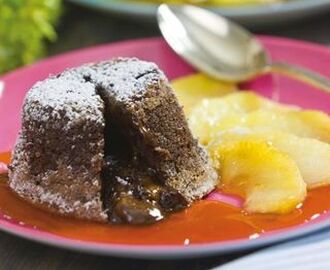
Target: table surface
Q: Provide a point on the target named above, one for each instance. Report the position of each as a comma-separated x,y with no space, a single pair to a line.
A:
82,28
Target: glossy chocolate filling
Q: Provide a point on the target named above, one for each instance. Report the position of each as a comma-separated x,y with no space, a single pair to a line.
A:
132,192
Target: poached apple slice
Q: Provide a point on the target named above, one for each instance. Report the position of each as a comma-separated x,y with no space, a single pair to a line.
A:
268,180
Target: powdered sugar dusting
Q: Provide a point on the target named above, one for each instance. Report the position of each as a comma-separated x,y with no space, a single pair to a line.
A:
131,78
126,78
58,97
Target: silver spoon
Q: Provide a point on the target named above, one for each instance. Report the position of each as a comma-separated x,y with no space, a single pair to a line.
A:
222,48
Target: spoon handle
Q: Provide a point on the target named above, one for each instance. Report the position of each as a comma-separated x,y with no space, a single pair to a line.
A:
301,74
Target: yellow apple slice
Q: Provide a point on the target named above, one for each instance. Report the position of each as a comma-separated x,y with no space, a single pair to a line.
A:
311,156
227,112
192,88
308,123
268,179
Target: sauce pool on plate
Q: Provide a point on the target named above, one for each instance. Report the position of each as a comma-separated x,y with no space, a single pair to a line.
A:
205,221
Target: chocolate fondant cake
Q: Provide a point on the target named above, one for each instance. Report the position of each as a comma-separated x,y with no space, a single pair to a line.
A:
108,141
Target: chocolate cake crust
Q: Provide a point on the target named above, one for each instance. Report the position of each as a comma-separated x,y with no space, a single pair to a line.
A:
58,156
74,122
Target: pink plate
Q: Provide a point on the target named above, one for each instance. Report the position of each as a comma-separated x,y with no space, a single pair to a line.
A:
16,84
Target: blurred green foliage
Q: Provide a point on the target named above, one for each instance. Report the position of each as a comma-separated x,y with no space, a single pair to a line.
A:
25,25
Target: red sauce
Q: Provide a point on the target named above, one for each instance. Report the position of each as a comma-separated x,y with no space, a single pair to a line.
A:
204,222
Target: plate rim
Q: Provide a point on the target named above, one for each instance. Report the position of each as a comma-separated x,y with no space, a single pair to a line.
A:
163,251
155,252
149,9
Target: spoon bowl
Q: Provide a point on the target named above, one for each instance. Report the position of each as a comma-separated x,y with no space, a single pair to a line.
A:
221,48
212,44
